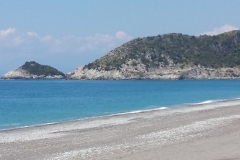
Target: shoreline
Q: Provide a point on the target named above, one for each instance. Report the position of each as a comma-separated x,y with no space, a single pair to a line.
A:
126,113
140,135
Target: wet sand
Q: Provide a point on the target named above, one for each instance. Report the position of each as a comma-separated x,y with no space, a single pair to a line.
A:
208,131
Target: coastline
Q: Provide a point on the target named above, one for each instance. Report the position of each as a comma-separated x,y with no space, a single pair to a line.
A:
138,135
124,113
140,95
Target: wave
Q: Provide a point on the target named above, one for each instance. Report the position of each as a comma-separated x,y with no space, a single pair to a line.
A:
148,109
144,110
209,101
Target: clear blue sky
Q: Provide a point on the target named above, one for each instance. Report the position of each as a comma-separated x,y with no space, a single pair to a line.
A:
67,34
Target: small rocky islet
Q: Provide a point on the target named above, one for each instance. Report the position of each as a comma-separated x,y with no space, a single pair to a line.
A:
34,70
168,56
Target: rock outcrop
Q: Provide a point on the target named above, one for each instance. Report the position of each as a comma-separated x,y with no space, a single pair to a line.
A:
165,73
21,73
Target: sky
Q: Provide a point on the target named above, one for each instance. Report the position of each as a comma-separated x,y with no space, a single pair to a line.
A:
67,34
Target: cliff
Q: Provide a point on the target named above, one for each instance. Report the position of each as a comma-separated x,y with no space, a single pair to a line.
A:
33,70
169,56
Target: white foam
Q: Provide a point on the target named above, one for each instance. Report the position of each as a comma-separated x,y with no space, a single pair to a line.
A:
209,101
134,112
151,108
57,130
205,102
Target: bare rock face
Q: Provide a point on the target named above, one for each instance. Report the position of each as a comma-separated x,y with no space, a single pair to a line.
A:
211,73
20,73
164,73
16,74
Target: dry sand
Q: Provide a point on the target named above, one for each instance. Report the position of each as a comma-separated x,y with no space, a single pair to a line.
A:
201,132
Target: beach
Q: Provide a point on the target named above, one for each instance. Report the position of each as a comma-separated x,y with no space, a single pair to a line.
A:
201,131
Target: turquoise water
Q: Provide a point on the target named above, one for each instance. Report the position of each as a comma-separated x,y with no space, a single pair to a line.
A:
26,102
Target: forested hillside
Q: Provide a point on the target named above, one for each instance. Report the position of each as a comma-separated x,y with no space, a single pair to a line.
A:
171,49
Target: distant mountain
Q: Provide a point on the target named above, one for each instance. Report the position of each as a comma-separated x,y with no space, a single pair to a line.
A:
169,56
34,70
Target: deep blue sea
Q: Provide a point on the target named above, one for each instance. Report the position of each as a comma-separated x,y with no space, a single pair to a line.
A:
34,102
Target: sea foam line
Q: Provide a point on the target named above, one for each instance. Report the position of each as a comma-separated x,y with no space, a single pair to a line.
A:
59,129
209,101
190,107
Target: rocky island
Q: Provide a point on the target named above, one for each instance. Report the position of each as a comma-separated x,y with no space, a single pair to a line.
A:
34,70
169,56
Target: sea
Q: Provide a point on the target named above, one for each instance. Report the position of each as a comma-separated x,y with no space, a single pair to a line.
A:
37,102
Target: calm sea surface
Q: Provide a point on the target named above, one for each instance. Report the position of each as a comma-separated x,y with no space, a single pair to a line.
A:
26,102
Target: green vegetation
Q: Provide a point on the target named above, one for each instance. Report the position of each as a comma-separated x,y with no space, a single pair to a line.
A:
209,51
35,68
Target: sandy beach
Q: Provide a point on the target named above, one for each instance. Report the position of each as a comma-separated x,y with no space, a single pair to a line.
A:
209,131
